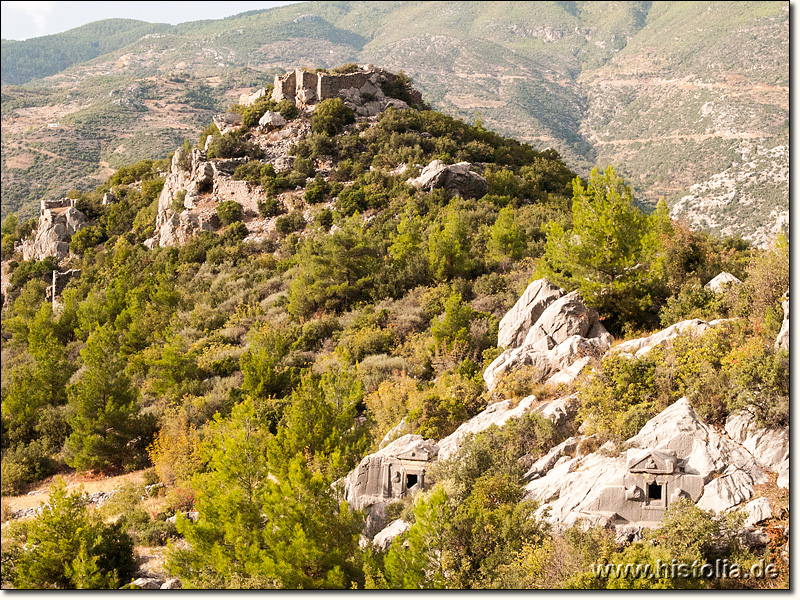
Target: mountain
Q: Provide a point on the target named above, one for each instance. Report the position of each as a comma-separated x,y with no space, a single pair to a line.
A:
689,100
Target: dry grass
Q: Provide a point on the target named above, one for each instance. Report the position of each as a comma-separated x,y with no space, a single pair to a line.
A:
74,481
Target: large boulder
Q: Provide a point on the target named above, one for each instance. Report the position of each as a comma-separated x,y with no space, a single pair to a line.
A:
457,178
722,282
516,323
563,336
271,120
383,539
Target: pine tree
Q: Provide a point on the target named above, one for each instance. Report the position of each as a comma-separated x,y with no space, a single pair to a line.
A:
107,431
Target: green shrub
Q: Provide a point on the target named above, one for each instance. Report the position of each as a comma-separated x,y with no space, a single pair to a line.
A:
209,130
345,68
233,145
287,224
316,190
87,237
229,212
67,547
178,201
330,116
270,207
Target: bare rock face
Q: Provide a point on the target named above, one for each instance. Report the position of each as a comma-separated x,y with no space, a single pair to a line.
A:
58,221
722,281
457,178
782,341
495,414
383,539
757,510
516,323
563,336
226,122
641,346
770,447
675,455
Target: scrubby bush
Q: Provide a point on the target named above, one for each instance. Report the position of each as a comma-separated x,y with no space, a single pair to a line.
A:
66,547
233,145
294,221
229,212
330,116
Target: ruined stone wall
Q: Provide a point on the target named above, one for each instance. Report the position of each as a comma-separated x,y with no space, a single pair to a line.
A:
306,92
58,203
329,86
285,87
238,191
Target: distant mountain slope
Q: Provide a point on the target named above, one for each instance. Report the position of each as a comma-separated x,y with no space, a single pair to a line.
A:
672,93
44,56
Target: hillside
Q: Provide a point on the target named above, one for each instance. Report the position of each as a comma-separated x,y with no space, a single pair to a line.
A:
639,85
345,341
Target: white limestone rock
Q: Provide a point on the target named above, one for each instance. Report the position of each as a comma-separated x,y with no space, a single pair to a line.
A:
723,493
722,281
271,120
516,323
383,539
494,414
641,346
564,333
757,510
457,178
769,446
782,341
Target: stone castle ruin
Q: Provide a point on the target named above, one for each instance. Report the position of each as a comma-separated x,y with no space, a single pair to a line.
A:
59,219
364,91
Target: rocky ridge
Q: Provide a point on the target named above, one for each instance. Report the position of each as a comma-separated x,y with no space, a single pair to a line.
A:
674,455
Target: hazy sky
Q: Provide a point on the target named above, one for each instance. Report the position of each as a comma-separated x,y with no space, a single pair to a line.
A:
22,20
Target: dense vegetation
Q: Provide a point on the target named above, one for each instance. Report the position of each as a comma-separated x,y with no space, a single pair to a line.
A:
251,376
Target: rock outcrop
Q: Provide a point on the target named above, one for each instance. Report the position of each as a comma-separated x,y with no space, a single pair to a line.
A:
782,341
674,455
383,539
58,221
563,336
722,282
516,323
494,414
770,447
226,122
271,120
641,346
458,179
